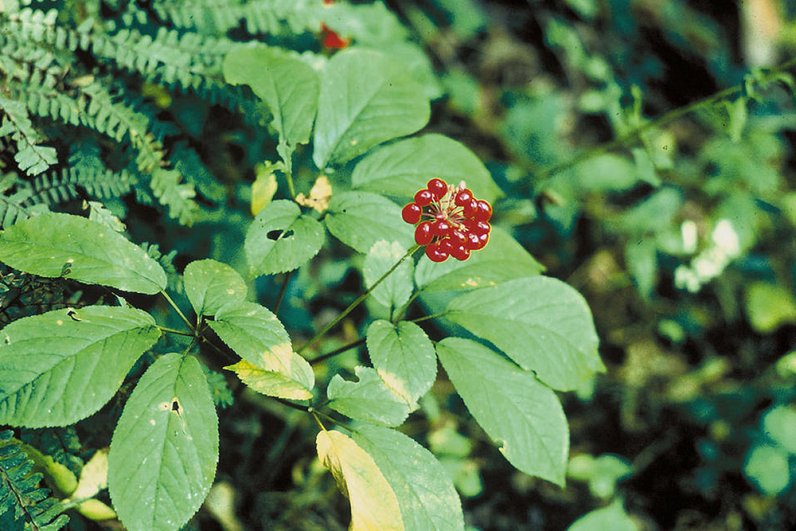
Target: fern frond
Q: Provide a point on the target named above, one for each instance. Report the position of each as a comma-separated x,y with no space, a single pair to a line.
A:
12,204
176,196
187,161
31,157
79,181
167,262
32,506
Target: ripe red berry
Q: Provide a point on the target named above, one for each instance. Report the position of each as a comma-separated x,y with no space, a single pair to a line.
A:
460,252
463,197
411,213
482,241
438,188
435,254
470,208
480,227
446,245
423,198
483,211
441,228
458,237
423,235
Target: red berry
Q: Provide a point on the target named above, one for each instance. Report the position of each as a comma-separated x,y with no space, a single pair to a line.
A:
473,242
483,211
463,197
482,241
441,228
435,254
460,252
411,213
423,233
458,237
470,208
423,198
480,227
438,188
446,245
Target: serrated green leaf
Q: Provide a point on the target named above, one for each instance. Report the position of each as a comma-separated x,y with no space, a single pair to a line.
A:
165,447
404,167
365,99
287,85
210,285
518,412
62,366
360,219
270,366
373,502
767,468
612,517
502,259
780,425
281,239
396,289
368,399
403,356
541,323
425,493
62,245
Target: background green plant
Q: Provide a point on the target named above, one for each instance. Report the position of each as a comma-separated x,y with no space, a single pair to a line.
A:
626,137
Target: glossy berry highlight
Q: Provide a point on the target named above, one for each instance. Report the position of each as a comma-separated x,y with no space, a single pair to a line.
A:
450,220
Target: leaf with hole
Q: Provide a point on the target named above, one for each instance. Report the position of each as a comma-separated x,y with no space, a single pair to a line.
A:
165,447
62,366
518,412
365,99
57,245
281,239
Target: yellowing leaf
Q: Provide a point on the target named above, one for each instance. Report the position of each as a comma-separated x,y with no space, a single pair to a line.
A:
281,372
94,478
263,190
320,194
373,502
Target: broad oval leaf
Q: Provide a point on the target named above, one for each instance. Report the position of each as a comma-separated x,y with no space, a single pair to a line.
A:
62,366
373,502
541,323
287,85
360,219
270,366
423,488
368,399
397,287
613,517
518,412
404,167
502,259
210,285
57,245
281,239
365,99
165,447
403,355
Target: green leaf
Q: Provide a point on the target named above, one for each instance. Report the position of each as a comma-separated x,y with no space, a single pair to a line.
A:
365,99
360,219
612,517
767,468
641,257
281,239
404,167
210,285
373,502
368,399
270,366
62,366
541,323
396,289
502,259
56,245
403,356
424,491
780,425
519,413
769,306
287,85
165,447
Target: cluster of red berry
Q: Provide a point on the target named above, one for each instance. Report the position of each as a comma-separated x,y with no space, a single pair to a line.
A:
452,221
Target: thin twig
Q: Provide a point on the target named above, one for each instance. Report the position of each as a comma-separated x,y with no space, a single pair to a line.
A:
337,351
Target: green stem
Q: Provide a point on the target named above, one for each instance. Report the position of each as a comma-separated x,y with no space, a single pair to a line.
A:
400,312
429,317
631,137
174,331
356,302
337,351
282,291
177,309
